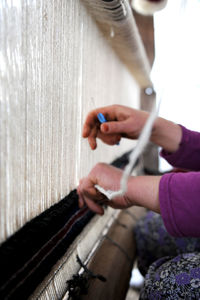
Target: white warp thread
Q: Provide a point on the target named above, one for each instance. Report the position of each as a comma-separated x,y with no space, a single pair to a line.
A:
137,151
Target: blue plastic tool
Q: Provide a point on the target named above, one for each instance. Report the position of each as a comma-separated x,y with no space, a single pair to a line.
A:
101,118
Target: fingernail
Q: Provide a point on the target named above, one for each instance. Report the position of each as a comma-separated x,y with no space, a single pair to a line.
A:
93,147
84,134
105,127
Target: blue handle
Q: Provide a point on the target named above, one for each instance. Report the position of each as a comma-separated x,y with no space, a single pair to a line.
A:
101,118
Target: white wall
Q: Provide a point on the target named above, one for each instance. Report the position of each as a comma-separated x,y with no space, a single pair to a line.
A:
176,71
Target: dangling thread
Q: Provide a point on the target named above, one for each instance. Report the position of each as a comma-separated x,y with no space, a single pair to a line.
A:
79,283
131,215
119,247
120,224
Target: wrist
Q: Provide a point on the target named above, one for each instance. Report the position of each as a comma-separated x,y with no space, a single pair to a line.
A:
166,134
143,191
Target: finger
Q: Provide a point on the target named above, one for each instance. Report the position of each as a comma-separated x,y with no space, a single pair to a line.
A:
86,189
86,130
92,138
92,197
80,198
95,195
79,192
80,182
79,186
94,206
81,201
110,139
92,119
114,127
90,122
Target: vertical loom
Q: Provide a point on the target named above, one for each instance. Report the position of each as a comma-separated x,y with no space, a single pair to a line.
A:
59,60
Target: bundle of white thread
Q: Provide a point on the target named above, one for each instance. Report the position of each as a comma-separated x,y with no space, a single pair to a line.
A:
148,7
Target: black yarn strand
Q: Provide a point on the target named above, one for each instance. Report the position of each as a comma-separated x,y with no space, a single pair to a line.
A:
79,284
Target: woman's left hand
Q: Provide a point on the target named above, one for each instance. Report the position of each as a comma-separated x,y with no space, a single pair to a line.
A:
108,177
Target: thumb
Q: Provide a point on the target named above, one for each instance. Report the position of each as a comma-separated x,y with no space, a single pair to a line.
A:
113,127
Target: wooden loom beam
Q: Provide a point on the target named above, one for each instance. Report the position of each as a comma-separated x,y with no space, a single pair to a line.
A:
146,30
112,262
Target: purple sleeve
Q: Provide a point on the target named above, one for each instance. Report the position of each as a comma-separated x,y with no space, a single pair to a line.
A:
179,195
188,154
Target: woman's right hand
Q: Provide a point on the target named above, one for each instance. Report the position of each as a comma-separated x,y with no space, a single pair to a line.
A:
121,122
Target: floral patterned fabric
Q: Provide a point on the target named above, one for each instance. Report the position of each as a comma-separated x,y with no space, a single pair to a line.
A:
171,266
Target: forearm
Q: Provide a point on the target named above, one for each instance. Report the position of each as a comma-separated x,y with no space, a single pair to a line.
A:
166,134
143,191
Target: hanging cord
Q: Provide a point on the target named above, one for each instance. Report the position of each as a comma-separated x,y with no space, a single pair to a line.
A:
79,283
131,215
137,151
119,247
121,224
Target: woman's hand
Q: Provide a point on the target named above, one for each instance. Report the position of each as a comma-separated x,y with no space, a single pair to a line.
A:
128,122
107,177
122,121
141,190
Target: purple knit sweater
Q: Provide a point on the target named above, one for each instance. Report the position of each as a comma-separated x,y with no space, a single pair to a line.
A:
179,193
